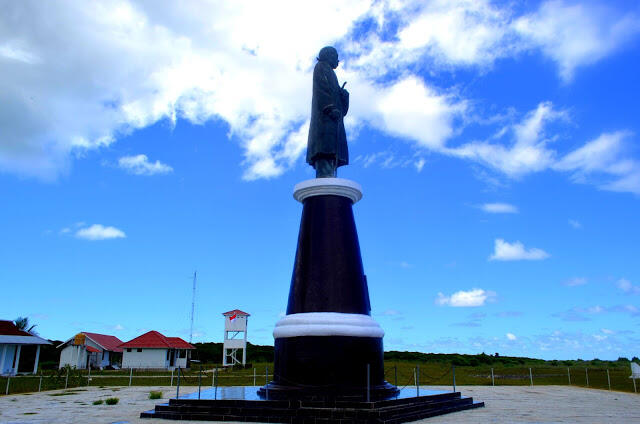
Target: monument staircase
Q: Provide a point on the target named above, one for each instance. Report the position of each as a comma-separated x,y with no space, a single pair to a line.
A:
327,411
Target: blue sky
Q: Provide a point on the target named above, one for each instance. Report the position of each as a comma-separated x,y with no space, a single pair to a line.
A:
496,144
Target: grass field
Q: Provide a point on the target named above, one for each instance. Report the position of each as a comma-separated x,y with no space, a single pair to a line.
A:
401,373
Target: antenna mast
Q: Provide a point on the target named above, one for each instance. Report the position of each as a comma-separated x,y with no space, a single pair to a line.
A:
193,305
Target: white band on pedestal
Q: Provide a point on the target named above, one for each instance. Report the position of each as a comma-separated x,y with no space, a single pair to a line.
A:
327,324
328,186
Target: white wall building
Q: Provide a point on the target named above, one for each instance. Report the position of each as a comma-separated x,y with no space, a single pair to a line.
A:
12,339
91,349
154,350
235,338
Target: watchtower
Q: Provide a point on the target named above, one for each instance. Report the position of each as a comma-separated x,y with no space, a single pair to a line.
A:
235,337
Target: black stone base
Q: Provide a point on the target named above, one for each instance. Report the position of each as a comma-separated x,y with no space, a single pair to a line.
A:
331,366
292,411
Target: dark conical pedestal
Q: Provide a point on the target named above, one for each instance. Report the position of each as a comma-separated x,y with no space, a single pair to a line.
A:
328,350
328,346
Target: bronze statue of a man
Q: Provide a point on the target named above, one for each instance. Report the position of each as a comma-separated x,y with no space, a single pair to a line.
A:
327,143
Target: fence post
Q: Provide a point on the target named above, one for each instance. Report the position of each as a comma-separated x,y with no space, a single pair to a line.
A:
453,367
368,383
130,376
634,385
266,382
40,384
493,382
6,392
531,377
569,375
171,383
89,376
586,373
254,376
418,380
608,379
66,380
395,373
215,379
199,380
178,385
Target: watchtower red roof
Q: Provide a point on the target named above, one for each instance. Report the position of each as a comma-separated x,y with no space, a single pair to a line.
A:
154,339
236,312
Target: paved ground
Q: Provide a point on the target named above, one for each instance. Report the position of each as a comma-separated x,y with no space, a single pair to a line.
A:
514,404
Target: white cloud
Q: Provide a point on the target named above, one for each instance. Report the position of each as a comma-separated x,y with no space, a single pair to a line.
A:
99,232
576,34
528,151
511,336
140,165
576,281
607,157
499,208
79,76
575,224
473,297
505,251
627,287
607,331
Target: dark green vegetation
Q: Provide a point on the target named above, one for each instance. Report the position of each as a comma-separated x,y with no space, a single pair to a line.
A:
97,402
112,401
435,369
155,395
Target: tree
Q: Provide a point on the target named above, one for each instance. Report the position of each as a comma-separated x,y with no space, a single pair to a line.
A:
23,324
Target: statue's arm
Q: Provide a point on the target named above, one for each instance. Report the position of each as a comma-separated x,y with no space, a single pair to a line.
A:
345,101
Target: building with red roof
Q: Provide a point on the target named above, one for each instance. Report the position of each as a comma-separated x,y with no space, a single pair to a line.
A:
91,350
12,339
155,350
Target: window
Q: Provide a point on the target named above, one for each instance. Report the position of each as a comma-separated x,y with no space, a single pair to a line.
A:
128,349
103,354
139,350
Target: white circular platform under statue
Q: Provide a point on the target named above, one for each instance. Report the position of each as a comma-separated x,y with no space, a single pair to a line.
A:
327,324
328,186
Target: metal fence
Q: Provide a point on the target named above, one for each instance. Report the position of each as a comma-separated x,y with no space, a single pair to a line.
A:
403,375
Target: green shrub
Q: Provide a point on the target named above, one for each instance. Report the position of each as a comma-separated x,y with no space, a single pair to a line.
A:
111,401
98,402
155,395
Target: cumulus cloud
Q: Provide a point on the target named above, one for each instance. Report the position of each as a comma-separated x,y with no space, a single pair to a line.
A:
99,232
499,208
526,152
79,76
140,165
627,287
505,251
575,35
511,336
473,297
606,161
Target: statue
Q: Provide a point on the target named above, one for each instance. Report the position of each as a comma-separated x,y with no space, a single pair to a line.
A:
327,142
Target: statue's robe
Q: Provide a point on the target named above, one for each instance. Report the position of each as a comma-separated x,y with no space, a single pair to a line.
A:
327,138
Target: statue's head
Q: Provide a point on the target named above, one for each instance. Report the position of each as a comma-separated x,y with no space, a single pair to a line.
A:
329,55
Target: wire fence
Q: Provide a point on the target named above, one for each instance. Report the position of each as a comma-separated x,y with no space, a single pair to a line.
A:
403,375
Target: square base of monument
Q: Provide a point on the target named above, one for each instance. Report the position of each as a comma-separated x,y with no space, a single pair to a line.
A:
229,406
